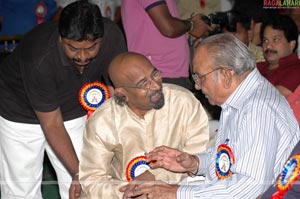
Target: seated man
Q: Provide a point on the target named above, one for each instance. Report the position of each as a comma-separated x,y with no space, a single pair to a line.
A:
256,135
143,114
279,41
287,186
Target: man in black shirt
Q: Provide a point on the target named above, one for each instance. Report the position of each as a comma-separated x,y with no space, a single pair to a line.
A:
39,86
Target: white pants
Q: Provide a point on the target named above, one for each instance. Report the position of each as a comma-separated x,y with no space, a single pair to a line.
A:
22,149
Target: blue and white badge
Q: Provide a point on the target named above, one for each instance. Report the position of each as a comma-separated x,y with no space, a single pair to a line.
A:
136,167
224,161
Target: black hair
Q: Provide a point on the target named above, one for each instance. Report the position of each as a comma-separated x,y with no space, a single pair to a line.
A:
80,21
283,23
228,20
238,17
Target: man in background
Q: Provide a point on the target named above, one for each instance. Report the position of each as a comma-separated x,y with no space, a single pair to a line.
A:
239,25
279,36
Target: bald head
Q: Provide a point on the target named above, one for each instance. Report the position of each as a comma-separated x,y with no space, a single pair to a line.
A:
137,83
126,66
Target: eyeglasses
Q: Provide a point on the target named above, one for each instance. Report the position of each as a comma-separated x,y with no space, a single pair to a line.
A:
146,84
199,79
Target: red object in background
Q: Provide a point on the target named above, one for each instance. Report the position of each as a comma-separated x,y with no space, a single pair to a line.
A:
202,4
41,11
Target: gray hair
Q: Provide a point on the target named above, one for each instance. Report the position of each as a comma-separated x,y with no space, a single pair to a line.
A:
120,99
227,50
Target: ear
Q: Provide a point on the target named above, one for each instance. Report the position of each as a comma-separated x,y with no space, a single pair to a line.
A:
226,77
292,44
121,92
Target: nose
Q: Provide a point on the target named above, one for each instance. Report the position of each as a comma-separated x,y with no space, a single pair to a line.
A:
267,45
155,85
83,55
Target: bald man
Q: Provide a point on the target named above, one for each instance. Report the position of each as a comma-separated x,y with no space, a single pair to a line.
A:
143,114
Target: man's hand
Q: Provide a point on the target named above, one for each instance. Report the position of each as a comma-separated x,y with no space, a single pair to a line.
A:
200,29
157,190
75,188
144,177
172,159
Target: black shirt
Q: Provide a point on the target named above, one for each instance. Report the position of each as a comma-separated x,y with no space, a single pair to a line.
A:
38,75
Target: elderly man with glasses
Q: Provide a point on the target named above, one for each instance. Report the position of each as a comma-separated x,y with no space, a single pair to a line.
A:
256,135
143,114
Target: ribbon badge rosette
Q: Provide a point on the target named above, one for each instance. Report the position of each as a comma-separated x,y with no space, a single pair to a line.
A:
136,167
224,161
288,176
92,95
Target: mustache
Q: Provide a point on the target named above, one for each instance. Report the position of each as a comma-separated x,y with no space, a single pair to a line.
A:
270,51
152,93
79,60
159,103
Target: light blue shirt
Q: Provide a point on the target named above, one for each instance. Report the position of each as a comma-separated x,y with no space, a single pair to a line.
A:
262,131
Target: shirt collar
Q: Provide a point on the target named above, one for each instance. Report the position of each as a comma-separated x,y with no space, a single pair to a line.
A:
244,90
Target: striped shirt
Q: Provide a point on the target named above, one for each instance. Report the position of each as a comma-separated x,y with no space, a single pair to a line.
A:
261,131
